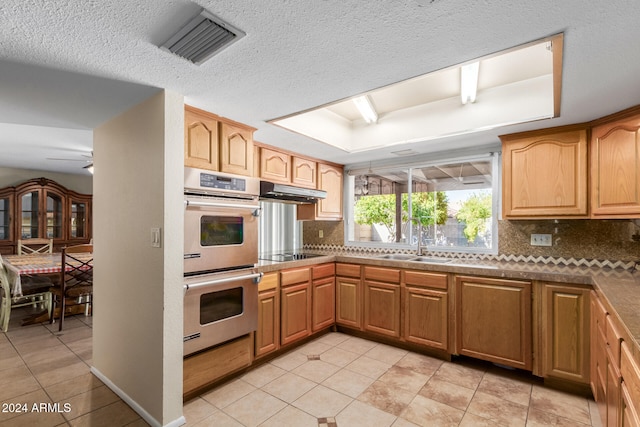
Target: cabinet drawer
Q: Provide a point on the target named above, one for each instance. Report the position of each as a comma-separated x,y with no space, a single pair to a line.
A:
631,376
296,275
269,281
387,275
613,340
429,280
347,270
324,270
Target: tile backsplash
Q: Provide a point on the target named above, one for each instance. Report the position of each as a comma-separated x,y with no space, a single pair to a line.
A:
580,239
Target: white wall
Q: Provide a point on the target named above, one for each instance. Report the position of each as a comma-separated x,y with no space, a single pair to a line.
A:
137,326
76,182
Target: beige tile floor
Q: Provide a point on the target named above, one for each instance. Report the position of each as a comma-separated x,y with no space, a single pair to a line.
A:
335,380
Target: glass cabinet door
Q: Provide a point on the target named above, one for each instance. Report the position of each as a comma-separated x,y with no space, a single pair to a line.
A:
54,216
5,218
29,224
79,214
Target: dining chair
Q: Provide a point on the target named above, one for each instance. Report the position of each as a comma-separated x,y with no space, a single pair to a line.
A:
76,281
35,246
31,292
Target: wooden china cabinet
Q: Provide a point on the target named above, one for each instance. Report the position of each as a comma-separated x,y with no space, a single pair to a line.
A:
42,208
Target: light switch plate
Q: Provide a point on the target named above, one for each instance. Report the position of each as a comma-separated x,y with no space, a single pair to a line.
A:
155,238
541,240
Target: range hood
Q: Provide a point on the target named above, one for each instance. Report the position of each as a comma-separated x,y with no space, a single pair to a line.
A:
289,193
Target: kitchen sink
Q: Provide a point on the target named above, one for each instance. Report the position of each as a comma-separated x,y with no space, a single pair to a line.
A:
397,257
431,260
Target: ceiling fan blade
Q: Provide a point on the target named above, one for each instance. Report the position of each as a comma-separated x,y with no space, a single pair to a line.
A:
70,160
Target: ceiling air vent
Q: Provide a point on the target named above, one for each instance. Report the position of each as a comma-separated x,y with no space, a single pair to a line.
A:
202,37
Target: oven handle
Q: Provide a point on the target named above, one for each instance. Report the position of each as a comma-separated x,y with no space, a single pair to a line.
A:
256,212
255,276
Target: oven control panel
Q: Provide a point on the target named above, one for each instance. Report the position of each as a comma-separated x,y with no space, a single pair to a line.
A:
208,180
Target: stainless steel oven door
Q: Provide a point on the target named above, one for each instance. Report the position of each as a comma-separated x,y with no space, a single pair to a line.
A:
219,307
220,233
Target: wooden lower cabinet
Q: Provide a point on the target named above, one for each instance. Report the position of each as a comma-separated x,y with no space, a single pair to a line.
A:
628,415
565,331
493,320
295,305
426,317
267,336
348,296
630,388
323,302
206,367
425,309
382,301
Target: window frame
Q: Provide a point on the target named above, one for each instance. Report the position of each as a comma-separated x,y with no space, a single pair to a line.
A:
496,192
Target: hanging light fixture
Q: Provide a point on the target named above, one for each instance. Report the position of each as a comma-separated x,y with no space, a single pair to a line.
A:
469,82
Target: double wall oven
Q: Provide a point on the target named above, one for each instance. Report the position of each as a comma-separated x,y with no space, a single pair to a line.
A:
220,257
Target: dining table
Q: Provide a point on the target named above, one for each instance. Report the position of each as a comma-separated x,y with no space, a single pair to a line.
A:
34,264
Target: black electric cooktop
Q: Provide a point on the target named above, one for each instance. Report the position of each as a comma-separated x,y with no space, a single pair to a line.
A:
287,256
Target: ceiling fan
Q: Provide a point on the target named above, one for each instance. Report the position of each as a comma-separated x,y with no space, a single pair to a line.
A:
88,158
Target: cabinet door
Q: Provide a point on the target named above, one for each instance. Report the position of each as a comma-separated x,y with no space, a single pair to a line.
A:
425,317
79,218
565,332
29,224
615,169
628,415
55,209
304,172
614,380
236,149
494,320
6,216
295,313
268,332
275,166
382,308
545,175
349,302
330,180
200,140
324,303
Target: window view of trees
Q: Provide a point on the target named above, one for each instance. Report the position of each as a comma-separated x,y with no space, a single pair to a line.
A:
452,203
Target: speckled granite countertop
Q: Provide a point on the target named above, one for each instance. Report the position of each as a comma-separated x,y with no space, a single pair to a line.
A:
621,288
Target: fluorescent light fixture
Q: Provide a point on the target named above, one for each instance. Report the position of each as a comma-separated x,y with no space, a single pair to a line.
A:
363,103
469,82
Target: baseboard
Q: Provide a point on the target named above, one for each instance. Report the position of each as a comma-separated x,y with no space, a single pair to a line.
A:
134,405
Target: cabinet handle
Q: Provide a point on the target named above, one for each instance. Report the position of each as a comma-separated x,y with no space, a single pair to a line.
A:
255,276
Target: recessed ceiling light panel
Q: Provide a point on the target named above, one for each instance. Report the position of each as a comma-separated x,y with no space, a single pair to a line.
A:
202,37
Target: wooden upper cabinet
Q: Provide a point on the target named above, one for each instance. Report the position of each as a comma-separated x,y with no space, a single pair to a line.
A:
545,173
304,172
329,209
200,140
275,166
615,168
218,144
236,149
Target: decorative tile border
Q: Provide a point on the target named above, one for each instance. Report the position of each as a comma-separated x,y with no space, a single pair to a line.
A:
559,261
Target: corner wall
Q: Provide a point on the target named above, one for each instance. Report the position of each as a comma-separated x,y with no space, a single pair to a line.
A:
137,326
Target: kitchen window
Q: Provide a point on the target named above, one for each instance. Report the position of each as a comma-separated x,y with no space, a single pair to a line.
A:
454,201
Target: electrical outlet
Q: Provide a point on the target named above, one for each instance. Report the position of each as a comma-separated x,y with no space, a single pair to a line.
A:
541,240
321,233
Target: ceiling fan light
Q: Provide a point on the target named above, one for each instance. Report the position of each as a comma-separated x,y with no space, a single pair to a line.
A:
363,103
89,167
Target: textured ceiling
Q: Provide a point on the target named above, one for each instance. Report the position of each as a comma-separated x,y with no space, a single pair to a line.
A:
296,55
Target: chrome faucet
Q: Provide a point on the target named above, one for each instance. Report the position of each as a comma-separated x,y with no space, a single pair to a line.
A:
420,249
